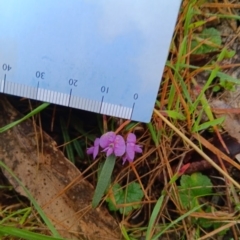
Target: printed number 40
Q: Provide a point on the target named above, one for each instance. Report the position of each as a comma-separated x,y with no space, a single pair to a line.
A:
6,67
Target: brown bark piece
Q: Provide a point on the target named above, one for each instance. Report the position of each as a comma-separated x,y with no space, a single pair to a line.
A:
44,170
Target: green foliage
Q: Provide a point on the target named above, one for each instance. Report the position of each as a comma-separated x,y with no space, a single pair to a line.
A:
190,190
218,225
153,217
7,231
192,187
49,224
67,139
207,41
175,222
207,223
131,194
155,133
224,81
103,180
223,84
29,115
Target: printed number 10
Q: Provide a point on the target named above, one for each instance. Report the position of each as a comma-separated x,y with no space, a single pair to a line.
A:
104,89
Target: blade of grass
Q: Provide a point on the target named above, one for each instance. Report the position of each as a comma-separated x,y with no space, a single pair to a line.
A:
15,213
208,124
212,76
124,232
228,78
67,139
196,148
25,215
25,234
175,115
153,217
153,133
32,113
34,202
176,221
178,76
78,148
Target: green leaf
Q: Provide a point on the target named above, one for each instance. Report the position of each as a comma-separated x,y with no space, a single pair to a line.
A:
192,187
175,115
134,192
118,194
216,88
227,77
207,41
103,181
205,223
217,225
230,54
198,184
131,194
208,124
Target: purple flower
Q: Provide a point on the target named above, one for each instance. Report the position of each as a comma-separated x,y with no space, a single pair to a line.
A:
131,148
95,149
112,144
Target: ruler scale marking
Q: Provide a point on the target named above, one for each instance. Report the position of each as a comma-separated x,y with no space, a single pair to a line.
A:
101,105
132,110
70,97
4,81
37,90
75,61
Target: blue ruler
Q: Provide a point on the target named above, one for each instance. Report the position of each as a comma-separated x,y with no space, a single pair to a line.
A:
105,56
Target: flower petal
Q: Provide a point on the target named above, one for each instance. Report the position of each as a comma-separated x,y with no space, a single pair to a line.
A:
95,151
106,139
138,148
130,150
96,142
119,146
109,151
124,158
90,150
131,138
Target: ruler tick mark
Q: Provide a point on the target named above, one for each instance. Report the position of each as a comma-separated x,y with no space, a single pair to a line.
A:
132,110
37,90
4,80
101,104
70,95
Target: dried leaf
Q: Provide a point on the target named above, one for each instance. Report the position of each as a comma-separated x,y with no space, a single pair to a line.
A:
55,183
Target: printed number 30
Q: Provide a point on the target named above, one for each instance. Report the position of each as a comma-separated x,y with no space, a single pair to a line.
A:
40,74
